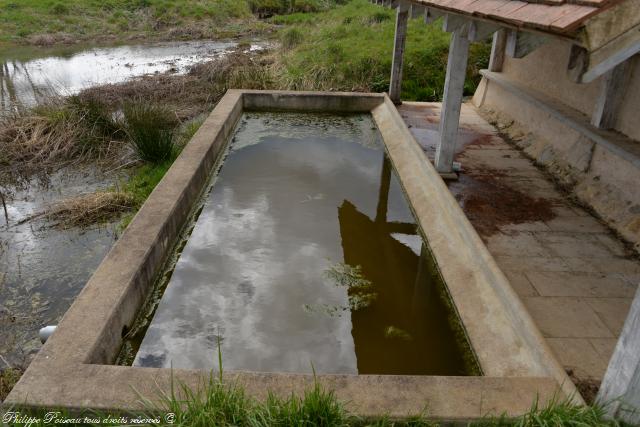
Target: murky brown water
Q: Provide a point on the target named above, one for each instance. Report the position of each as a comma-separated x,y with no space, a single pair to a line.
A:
306,255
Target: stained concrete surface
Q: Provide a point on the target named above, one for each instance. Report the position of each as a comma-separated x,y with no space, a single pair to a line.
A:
575,277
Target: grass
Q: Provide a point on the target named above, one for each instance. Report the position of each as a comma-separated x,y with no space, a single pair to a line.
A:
88,209
557,413
50,22
218,404
150,129
59,132
350,48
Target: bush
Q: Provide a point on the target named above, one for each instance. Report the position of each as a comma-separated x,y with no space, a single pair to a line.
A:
150,130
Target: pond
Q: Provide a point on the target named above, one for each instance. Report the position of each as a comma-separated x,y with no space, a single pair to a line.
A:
30,75
305,257
44,267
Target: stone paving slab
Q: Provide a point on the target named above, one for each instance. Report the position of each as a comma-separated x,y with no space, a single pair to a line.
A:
575,277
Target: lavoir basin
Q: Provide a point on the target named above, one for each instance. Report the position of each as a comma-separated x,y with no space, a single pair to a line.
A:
300,232
306,256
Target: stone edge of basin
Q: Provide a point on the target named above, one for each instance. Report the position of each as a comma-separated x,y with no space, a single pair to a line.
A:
72,369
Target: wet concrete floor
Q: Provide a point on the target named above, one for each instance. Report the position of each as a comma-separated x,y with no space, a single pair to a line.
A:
576,278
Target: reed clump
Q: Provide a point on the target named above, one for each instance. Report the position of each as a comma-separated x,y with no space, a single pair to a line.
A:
88,209
150,130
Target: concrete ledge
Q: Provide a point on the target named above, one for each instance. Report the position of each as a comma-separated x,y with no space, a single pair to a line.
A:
71,371
337,102
615,142
602,167
501,331
117,388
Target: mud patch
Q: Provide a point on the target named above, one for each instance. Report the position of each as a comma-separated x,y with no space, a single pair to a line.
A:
490,203
587,387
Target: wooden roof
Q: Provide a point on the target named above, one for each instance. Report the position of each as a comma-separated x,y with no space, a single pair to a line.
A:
555,16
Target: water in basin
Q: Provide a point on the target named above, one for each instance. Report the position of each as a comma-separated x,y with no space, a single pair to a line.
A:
306,256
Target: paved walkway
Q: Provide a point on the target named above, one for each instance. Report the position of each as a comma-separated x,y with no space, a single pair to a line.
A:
575,277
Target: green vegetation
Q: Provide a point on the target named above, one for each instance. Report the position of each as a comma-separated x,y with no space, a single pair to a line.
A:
350,48
555,414
218,404
150,129
272,7
50,21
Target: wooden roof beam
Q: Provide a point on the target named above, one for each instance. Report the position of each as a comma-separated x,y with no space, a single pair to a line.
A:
431,15
520,43
585,66
453,22
479,30
417,10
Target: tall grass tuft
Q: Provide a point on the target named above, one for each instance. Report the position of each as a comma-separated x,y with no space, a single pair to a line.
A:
317,407
292,38
219,404
150,129
556,413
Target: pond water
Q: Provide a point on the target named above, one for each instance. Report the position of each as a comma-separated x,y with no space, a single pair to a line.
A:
42,267
306,256
29,75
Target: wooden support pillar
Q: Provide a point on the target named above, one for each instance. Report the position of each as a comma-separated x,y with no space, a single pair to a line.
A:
612,92
620,389
452,100
497,50
395,86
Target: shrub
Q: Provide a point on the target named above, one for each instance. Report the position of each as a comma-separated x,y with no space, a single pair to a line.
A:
150,130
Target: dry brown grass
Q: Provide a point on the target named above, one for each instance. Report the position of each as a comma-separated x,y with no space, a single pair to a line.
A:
194,93
50,137
8,378
83,128
87,209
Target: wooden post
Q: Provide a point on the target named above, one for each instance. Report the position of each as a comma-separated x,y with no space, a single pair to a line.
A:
395,86
620,389
452,100
611,95
497,50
